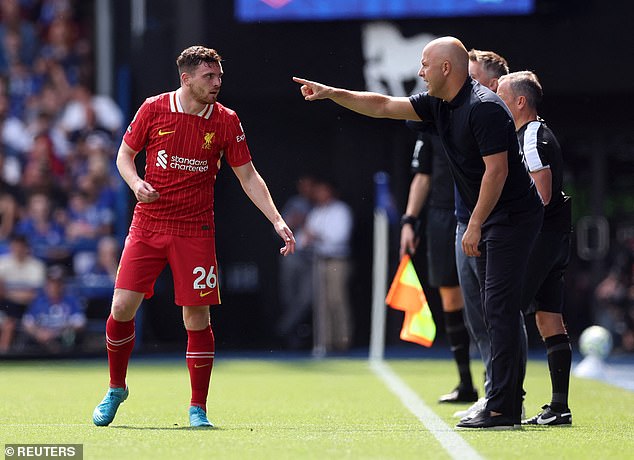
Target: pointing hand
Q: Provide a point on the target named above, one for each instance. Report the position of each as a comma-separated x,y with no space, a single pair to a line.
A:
312,90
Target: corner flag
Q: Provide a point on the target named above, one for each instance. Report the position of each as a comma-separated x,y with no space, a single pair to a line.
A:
406,294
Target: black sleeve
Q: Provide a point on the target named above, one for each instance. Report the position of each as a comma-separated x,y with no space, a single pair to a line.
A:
422,104
491,125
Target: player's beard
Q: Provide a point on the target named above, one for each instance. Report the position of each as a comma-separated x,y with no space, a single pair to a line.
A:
203,96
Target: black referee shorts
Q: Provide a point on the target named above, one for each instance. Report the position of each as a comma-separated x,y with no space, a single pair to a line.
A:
441,253
544,283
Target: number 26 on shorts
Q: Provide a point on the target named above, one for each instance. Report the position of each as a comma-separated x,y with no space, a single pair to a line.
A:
206,279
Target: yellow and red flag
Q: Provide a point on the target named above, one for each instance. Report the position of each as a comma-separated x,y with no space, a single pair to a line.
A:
406,294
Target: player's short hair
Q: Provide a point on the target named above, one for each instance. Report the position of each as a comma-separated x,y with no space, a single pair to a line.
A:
493,63
525,83
192,57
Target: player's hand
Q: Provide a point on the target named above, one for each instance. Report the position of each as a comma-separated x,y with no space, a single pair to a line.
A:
409,241
471,240
311,90
287,236
144,192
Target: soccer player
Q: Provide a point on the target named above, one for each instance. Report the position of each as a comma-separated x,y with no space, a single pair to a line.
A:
477,132
543,292
185,133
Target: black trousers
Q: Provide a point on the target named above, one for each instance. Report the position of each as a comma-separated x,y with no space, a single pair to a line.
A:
505,246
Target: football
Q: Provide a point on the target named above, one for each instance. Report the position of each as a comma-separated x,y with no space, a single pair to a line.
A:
595,341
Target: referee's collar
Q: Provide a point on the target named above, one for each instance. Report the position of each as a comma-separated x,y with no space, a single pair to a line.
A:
539,120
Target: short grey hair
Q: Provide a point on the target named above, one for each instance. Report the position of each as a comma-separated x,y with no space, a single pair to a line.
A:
525,83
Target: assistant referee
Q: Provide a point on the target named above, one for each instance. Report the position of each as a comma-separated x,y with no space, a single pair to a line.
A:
543,292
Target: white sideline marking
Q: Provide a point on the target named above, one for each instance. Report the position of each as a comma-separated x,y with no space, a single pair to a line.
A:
451,441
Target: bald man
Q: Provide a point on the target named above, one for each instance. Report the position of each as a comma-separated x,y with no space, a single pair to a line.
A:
487,67
478,135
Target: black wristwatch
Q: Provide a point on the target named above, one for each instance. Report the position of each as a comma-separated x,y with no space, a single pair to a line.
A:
408,219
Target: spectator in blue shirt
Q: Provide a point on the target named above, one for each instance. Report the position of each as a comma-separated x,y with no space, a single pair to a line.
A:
55,318
44,232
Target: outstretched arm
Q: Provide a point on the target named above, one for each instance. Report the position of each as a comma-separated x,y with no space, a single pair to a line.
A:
256,189
366,103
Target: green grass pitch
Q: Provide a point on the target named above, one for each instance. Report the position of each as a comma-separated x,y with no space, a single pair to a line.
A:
292,409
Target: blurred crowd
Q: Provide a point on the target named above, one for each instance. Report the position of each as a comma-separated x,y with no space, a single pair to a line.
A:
316,278
58,187
614,297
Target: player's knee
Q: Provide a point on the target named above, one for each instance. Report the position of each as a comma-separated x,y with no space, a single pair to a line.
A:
196,318
122,312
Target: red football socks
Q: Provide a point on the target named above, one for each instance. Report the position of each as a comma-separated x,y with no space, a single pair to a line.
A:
200,361
119,343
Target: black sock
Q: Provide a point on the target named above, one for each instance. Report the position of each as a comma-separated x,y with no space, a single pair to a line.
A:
559,361
459,340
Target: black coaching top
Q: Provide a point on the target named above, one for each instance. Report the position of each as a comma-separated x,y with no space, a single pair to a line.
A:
476,123
541,150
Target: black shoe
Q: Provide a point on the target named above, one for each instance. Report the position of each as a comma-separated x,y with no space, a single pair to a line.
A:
550,417
484,420
460,395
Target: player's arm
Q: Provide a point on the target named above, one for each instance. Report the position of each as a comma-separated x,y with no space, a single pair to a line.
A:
366,103
544,183
143,191
418,191
495,173
257,191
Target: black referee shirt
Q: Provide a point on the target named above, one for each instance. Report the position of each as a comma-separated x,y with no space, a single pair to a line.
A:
474,124
541,150
430,159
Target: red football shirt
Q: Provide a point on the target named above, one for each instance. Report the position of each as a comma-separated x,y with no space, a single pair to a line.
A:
183,153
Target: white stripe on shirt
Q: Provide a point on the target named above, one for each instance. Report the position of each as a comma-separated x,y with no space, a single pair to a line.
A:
531,154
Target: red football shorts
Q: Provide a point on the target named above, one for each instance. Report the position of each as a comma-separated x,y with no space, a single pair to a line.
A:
191,259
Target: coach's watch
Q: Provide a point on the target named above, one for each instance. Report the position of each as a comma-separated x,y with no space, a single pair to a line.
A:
407,219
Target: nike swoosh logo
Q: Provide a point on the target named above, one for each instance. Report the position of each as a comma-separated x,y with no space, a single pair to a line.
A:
163,133
205,294
202,365
545,421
